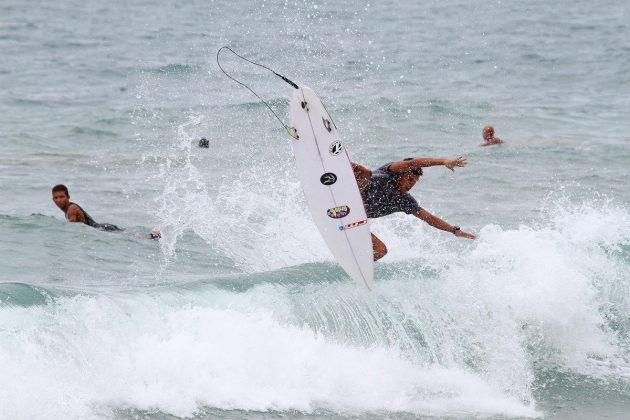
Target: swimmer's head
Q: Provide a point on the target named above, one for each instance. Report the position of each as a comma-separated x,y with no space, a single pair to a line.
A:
60,187
488,132
203,142
60,196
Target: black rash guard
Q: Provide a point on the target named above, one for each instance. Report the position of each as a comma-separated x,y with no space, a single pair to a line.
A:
381,197
91,222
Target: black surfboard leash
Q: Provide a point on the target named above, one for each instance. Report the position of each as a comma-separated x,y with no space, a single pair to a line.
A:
294,85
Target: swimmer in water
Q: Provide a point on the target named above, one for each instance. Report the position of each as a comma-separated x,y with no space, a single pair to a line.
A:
488,136
75,214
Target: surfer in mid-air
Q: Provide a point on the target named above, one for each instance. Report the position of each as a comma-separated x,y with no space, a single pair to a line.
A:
75,214
386,191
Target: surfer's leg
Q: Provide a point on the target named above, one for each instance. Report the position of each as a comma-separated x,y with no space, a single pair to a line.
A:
378,247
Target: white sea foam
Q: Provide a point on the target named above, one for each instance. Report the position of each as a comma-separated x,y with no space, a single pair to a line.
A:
453,327
256,216
457,330
82,356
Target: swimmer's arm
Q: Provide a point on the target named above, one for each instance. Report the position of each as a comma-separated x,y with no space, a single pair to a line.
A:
402,166
75,215
495,140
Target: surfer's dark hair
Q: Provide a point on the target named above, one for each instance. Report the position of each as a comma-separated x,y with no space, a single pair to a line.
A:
60,187
415,171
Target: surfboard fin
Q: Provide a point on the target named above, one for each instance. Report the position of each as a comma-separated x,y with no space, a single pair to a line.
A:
293,133
327,124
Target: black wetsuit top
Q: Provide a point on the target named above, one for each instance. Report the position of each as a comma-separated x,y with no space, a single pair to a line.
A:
381,197
91,222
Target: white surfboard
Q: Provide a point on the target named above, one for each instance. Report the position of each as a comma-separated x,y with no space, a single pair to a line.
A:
331,191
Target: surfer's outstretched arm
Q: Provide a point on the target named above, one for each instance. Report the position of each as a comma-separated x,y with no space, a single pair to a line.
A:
409,164
438,223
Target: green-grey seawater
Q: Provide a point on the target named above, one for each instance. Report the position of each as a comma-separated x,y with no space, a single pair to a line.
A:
239,311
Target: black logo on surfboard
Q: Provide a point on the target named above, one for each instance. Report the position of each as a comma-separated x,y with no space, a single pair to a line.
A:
335,148
328,178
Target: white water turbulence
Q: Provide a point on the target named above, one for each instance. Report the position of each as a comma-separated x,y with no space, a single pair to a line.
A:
451,327
255,216
148,353
240,310
450,332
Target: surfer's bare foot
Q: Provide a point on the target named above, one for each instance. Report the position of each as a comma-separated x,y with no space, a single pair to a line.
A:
379,248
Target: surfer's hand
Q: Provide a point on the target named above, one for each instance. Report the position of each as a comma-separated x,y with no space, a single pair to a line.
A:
459,162
362,175
462,234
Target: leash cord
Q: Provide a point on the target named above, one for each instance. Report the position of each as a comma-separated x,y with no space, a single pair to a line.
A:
291,83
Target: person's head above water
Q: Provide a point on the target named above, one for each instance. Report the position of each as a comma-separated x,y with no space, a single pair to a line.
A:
488,136
60,187
488,132
60,196
203,142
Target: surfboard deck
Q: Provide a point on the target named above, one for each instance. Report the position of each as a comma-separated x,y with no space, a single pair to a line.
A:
330,188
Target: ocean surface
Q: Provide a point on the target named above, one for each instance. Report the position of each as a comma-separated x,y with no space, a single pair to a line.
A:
240,311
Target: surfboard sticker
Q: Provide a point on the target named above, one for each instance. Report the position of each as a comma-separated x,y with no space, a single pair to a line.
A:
335,148
355,224
338,212
318,154
328,178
